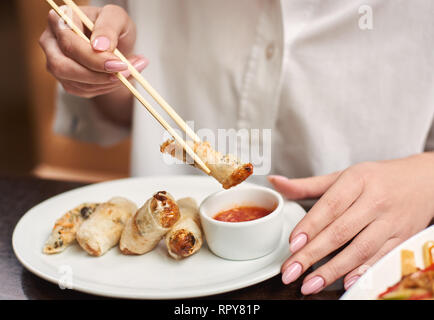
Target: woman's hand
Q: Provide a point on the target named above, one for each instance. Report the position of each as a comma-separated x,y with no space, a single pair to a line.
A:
374,206
88,70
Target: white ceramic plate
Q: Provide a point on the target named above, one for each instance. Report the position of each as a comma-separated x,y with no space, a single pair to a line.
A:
387,271
151,276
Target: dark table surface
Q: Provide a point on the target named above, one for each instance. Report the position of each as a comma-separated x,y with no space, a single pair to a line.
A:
17,195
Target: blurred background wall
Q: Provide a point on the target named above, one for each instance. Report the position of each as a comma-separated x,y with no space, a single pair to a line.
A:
27,101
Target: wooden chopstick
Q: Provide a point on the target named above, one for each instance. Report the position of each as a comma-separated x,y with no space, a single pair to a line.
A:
135,92
145,84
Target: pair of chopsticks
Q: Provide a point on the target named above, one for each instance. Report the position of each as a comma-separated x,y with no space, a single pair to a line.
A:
152,92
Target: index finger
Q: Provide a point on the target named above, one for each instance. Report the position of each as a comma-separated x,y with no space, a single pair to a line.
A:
75,48
65,68
338,198
303,188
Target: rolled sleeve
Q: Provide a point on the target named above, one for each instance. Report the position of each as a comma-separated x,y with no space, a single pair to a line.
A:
77,118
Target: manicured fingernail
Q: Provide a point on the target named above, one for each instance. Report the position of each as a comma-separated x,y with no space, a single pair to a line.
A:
298,242
125,73
314,285
350,282
292,273
277,179
101,43
115,66
140,65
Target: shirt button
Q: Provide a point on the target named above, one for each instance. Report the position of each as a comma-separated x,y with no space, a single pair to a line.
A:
269,52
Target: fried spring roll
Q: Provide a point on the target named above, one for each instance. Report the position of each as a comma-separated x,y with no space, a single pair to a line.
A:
226,169
149,225
185,238
103,229
65,228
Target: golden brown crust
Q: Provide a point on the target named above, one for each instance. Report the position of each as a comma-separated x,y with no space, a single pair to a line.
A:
65,228
127,252
238,176
103,229
170,213
165,145
227,169
150,223
170,216
185,237
91,250
182,243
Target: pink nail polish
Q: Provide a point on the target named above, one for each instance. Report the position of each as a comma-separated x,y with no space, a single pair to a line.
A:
292,273
140,65
350,282
101,43
314,285
298,242
126,73
115,66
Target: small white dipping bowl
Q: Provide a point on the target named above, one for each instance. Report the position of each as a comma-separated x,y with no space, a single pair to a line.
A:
242,240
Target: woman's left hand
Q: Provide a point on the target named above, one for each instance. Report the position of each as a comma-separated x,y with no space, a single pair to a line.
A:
375,205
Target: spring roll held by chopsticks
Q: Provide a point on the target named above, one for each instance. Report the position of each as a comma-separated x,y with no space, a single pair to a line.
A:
65,229
185,238
226,169
149,225
103,229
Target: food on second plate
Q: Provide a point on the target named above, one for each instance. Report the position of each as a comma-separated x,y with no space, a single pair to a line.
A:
103,229
65,228
185,237
428,253
226,169
149,225
408,264
241,214
415,284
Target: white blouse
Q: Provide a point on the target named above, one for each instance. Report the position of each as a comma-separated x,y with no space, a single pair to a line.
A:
338,82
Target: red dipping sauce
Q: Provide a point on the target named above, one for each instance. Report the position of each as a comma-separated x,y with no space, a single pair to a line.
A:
241,214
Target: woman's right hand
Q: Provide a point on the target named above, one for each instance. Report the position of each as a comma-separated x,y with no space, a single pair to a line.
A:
89,70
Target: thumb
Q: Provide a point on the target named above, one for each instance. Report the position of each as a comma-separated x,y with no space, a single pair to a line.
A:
304,188
112,26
